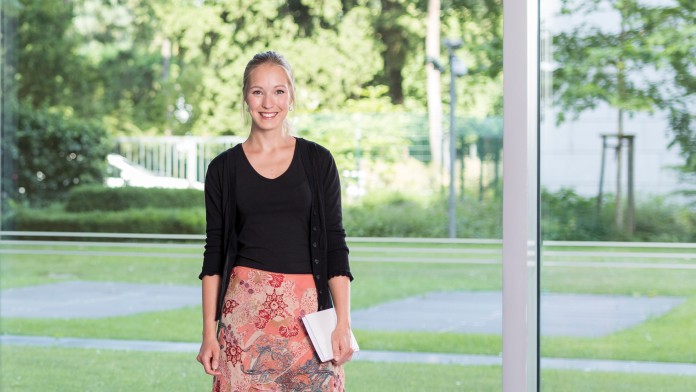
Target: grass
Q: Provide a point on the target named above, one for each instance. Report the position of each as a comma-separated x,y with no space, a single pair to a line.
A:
669,338
666,338
179,325
37,369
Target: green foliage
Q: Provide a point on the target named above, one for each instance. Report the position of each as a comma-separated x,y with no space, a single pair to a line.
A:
54,153
330,48
398,215
50,71
372,136
101,198
395,216
128,62
642,65
567,216
661,221
146,220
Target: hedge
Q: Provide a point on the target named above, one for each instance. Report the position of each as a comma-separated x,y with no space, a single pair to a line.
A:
100,198
147,220
565,216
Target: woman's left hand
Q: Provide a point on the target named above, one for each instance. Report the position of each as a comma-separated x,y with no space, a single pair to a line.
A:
340,343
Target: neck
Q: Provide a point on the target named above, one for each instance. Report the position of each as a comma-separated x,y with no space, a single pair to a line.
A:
268,140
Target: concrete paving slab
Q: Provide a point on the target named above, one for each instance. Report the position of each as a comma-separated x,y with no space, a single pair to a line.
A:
481,312
465,312
82,299
586,365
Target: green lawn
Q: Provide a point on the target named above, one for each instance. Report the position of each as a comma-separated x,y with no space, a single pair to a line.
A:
40,369
667,338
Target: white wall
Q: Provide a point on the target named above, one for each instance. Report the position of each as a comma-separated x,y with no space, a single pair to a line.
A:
571,154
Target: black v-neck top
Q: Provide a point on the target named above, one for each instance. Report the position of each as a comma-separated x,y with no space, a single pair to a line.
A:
273,218
328,250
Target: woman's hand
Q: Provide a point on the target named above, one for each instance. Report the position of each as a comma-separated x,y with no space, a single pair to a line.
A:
209,356
340,343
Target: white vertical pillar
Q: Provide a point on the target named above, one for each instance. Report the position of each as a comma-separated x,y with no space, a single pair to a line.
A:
520,195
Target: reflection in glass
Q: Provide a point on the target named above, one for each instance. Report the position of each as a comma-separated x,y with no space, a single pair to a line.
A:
117,108
617,204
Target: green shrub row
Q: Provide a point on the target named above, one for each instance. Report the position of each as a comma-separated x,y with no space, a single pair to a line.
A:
565,216
100,198
398,216
146,220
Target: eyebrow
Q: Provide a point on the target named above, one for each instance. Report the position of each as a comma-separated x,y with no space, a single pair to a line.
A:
276,86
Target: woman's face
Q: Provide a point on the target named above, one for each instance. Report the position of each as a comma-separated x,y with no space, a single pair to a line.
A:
268,97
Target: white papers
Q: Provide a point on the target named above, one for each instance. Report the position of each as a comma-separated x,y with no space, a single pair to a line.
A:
320,326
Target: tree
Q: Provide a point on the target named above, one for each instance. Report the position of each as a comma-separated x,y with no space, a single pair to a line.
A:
676,32
622,66
432,53
50,71
54,153
330,47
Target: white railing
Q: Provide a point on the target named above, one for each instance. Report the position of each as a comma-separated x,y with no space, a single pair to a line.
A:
640,255
184,157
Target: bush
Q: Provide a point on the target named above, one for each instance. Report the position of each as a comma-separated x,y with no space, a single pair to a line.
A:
391,216
397,215
567,216
658,220
52,153
147,220
101,198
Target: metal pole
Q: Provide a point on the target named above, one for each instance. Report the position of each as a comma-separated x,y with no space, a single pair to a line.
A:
630,217
453,151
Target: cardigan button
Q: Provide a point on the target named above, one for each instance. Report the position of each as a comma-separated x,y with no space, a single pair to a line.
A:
314,244
314,228
321,308
316,261
317,277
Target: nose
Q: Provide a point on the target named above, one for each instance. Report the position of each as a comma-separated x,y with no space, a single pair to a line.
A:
267,101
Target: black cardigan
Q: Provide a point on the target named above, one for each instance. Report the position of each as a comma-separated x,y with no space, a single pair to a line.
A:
328,251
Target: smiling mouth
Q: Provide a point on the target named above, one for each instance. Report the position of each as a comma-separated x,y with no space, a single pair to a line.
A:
268,115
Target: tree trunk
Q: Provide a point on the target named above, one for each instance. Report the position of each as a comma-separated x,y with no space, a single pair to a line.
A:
432,51
395,47
621,87
619,205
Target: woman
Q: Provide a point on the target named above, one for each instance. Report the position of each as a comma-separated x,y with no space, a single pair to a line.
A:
275,250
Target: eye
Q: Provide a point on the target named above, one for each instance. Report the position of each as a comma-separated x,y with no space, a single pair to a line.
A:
256,92
280,92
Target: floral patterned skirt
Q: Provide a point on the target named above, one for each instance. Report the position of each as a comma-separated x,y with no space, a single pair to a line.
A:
264,346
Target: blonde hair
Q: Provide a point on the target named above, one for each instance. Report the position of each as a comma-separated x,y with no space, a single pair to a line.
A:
274,58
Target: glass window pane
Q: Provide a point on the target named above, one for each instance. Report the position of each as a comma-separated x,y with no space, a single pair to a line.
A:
617,301
112,112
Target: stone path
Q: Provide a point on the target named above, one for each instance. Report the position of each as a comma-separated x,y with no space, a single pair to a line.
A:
82,299
368,355
581,315
467,312
464,312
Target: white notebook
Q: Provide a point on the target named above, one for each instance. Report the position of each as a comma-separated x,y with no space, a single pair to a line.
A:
320,326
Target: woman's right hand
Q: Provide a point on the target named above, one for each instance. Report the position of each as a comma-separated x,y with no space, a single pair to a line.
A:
209,356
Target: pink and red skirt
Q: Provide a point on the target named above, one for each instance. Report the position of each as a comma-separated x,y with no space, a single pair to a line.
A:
264,345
